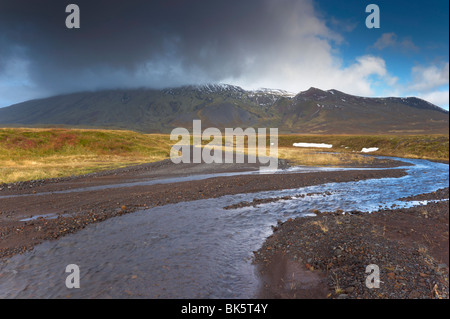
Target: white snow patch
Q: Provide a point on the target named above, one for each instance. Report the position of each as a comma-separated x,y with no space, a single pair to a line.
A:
318,145
274,92
369,150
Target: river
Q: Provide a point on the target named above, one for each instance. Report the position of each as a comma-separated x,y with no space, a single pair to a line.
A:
193,249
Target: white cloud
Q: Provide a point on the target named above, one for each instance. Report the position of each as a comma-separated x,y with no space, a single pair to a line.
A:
322,70
429,78
300,51
440,98
306,54
430,83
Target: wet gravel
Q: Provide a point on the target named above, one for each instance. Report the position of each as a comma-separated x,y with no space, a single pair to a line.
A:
73,211
409,245
259,201
437,195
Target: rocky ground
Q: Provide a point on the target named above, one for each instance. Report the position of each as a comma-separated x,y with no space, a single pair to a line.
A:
326,256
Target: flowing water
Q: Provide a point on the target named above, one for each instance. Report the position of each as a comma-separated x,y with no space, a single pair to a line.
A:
192,249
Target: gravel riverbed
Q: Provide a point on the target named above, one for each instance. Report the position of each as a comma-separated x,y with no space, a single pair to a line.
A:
331,250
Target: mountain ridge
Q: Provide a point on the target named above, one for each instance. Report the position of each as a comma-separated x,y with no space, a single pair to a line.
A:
222,105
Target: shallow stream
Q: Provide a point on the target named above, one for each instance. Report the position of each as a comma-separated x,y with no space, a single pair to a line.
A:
193,249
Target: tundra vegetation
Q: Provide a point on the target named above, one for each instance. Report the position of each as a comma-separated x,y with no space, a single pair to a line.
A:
28,153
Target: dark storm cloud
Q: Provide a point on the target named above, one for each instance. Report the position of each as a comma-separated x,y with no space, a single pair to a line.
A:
282,44
122,41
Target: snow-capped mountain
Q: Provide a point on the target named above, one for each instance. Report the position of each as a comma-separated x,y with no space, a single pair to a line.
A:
222,105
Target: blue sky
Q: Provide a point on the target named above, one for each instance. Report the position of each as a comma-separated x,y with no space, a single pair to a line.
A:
280,44
412,40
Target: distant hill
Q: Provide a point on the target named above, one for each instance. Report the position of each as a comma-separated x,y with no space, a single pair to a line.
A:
311,112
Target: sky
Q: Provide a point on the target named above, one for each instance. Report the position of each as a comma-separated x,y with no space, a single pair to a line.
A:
280,44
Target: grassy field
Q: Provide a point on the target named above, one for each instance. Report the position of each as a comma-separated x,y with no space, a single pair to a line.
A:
433,147
346,149
27,154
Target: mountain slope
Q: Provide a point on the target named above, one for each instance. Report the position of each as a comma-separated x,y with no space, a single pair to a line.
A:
311,111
